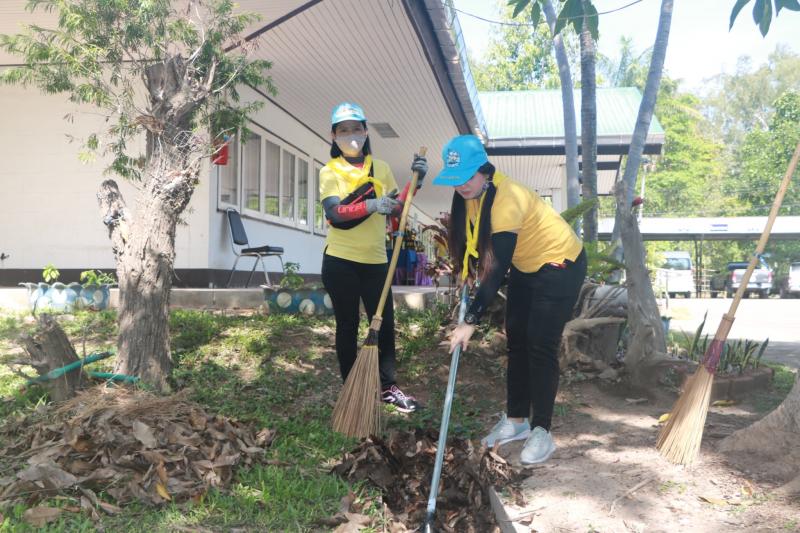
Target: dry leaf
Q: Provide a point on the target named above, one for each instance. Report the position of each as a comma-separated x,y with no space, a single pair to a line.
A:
713,501
663,418
39,516
110,508
723,403
144,434
162,491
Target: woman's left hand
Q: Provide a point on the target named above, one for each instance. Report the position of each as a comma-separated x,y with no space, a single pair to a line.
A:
461,336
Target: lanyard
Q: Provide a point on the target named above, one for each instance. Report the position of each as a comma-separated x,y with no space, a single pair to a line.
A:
472,239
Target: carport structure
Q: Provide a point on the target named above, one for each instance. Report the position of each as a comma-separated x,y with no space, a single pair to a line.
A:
702,229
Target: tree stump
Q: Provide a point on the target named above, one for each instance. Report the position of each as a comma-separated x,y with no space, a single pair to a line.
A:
49,348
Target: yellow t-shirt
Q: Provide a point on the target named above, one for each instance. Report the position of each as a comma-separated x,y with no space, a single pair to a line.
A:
542,235
365,243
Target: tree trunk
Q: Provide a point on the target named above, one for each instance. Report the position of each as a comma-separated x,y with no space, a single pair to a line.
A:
781,429
646,109
588,129
49,349
568,106
647,344
144,242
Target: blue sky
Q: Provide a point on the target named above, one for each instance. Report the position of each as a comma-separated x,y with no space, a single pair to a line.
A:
700,44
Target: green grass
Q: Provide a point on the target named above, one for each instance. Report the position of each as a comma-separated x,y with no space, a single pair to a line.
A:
782,382
275,371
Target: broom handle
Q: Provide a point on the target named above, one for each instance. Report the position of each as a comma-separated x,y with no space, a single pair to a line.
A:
412,190
712,355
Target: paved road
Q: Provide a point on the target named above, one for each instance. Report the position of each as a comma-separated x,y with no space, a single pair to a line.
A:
755,319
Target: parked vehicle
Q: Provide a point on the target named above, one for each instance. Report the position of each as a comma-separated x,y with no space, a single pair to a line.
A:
676,275
728,282
790,285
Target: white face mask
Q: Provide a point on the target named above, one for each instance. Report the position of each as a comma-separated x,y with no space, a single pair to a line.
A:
351,144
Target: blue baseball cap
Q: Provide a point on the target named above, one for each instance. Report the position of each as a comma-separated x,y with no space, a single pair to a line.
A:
347,111
462,157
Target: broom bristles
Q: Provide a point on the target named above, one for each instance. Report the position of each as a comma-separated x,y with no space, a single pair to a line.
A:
679,439
358,409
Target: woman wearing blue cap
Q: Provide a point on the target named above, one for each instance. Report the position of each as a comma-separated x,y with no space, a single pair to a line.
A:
497,225
357,193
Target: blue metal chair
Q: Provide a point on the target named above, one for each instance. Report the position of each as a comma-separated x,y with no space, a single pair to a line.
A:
239,238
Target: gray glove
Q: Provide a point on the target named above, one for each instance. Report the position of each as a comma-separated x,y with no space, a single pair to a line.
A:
385,205
420,166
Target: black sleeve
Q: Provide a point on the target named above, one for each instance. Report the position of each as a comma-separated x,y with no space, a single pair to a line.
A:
503,243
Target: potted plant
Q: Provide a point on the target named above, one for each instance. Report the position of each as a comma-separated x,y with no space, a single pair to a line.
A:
294,295
52,295
95,289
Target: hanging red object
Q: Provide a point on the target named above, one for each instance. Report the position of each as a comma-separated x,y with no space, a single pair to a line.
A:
220,156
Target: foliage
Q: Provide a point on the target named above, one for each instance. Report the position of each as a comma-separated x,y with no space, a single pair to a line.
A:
96,277
442,264
737,355
291,279
520,57
101,52
629,69
744,100
572,13
573,214
762,11
50,273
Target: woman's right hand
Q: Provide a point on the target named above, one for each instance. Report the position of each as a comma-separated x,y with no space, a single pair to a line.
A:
385,205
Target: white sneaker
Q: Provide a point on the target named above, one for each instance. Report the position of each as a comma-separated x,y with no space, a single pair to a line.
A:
538,448
506,431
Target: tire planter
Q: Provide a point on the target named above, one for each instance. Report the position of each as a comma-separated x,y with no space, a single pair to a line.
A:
298,301
65,298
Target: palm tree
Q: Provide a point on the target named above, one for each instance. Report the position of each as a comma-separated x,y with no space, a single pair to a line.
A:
568,105
588,126
647,334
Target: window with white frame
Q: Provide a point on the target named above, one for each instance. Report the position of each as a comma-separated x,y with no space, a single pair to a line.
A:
319,212
251,173
269,180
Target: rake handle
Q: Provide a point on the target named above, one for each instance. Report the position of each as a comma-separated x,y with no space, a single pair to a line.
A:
430,514
727,319
377,319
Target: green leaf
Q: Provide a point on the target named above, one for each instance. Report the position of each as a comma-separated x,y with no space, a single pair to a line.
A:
762,15
569,14
791,5
735,12
520,6
536,13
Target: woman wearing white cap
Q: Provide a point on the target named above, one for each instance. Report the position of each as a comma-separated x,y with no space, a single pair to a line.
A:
497,225
357,193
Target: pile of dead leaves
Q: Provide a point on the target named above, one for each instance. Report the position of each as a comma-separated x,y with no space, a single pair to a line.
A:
131,444
401,467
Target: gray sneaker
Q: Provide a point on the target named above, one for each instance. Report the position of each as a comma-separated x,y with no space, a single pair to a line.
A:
538,448
506,431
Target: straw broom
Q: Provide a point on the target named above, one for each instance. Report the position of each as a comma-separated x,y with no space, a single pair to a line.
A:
679,439
358,408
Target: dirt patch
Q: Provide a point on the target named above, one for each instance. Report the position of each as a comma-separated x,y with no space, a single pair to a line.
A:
607,475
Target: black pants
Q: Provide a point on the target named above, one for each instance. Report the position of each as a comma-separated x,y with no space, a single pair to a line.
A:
347,282
539,304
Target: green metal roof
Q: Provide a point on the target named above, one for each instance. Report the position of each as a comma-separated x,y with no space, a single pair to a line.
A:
532,114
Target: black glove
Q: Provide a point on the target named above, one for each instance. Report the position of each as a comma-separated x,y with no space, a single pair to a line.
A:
420,166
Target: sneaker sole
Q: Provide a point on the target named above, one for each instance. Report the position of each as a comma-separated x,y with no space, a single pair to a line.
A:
543,459
518,436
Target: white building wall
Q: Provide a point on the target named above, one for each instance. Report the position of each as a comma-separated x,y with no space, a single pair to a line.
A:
49,208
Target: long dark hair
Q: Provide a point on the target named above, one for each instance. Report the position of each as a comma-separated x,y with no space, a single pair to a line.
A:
336,151
457,233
